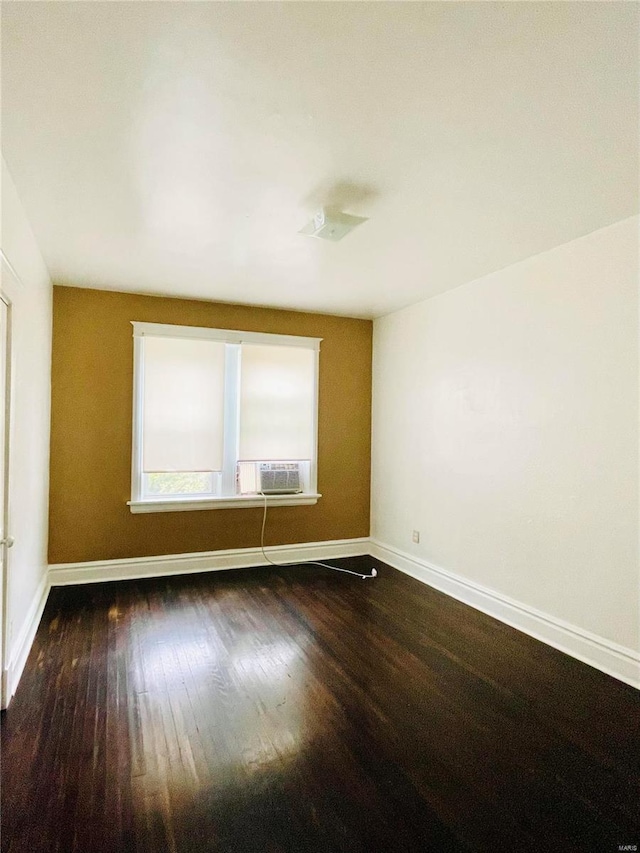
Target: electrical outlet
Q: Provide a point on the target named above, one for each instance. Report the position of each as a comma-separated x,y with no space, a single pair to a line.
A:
416,536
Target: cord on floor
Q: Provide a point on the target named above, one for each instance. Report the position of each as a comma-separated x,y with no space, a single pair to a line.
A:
373,573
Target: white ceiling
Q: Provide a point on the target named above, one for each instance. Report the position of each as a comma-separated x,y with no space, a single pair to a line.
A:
178,148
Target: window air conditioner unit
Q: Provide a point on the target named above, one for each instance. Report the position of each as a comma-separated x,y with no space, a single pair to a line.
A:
280,478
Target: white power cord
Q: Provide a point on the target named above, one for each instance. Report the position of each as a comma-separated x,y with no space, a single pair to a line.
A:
373,574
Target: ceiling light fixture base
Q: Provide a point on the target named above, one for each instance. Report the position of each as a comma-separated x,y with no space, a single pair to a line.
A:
332,225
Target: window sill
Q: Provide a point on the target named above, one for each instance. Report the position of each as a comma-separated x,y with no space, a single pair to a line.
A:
175,504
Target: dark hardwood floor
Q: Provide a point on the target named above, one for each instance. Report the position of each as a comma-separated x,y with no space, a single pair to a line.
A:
271,710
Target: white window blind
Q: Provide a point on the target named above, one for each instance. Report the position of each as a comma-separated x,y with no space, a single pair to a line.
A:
183,404
277,402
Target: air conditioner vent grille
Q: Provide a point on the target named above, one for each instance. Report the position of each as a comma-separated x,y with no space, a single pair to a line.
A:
279,478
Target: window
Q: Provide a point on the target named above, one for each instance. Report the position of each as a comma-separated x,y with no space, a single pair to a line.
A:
217,412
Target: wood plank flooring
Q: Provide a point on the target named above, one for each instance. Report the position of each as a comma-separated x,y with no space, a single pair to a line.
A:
295,709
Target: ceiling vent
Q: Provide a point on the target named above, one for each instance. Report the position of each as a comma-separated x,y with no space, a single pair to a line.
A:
332,225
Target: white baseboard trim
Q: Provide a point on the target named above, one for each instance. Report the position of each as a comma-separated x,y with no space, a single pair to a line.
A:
22,646
620,662
97,571
615,660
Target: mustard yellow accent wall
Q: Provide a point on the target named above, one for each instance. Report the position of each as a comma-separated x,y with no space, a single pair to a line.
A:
91,411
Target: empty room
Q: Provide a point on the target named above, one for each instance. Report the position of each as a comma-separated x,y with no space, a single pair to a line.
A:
320,424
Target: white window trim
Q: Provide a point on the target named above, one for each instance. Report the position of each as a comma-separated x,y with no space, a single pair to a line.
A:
175,503
180,504
229,336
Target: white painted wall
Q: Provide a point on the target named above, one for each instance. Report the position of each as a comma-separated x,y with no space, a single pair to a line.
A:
505,430
30,294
